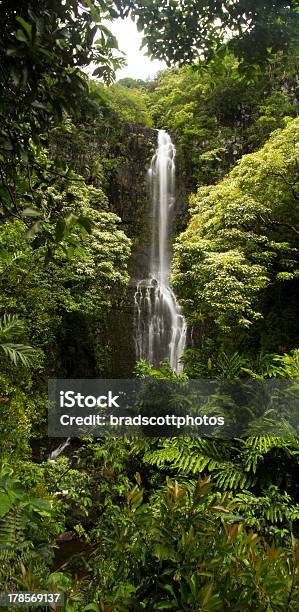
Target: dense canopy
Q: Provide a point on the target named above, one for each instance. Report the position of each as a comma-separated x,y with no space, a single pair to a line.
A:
182,523
184,30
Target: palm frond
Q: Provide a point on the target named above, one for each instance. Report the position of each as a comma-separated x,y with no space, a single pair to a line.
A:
19,353
10,326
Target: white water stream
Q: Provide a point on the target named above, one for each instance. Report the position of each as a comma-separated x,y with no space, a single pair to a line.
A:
55,453
160,328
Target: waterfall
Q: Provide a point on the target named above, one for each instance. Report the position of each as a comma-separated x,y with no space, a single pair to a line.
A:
55,453
160,328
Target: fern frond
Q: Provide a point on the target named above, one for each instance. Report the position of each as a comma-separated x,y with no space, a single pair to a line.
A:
233,464
12,527
273,507
229,476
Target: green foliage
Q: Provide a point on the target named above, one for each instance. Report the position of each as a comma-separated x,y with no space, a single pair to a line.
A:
132,83
64,280
288,365
42,52
215,117
200,363
241,238
263,467
67,147
184,547
172,546
183,32
129,104
84,270
10,328
235,464
21,414
144,370
96,144
23,538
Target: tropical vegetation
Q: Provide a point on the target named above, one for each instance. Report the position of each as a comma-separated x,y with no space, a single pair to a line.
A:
131,524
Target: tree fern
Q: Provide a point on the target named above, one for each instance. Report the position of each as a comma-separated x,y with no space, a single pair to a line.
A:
21,516
15,548
230,476
233,464
194,456
271,511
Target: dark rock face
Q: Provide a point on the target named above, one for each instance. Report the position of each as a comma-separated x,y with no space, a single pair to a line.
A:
129,197
128,193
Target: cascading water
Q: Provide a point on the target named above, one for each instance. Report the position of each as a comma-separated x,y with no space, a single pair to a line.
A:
160,328
55,453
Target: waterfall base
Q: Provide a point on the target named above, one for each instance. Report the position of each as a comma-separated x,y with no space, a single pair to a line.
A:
160,328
